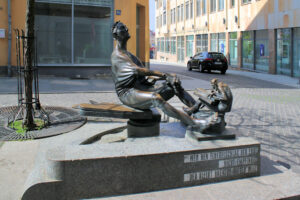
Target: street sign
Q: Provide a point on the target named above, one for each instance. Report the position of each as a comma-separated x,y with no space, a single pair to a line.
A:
118,12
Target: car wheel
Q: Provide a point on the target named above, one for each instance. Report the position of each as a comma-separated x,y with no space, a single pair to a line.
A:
223,71
189,67
201,68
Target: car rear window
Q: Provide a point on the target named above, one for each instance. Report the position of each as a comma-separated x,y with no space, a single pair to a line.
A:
216,55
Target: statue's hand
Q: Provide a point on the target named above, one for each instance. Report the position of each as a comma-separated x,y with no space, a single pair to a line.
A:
173,79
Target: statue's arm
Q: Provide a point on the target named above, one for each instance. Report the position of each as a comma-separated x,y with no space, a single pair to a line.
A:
147,72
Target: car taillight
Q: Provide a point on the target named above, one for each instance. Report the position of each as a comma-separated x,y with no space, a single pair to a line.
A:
208,59
225,59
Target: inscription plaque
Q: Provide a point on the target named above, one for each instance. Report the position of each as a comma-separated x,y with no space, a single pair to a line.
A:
223,164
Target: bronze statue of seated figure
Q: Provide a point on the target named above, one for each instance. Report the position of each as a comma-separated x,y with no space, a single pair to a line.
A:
132,83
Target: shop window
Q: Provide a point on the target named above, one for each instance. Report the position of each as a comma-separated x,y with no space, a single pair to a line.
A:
189,45
248,50
214,42
233,49
222,43
296,53
201,43
283,51
54,38
173,45
91,41
262,50
180,48
91,30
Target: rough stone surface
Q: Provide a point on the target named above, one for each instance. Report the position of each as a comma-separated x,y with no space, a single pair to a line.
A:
145,164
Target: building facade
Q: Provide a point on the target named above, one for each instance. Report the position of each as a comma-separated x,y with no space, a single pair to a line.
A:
74,36
258,35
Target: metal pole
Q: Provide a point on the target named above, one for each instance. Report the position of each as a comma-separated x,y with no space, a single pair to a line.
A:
9,73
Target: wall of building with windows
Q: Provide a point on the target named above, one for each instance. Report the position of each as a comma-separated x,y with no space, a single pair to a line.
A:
243,30
77,33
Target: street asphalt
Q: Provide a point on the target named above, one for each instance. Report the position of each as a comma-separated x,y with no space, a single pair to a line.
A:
269,115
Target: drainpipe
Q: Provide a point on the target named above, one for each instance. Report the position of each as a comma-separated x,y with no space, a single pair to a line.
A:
9,71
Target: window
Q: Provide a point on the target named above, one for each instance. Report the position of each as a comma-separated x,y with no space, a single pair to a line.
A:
192,9
187,10
198,8
214,42
167,45
162,44
296,52
178,13
158,44
246,1
222,43
201,43
284,42
221,5
81,38
189,45
213,5
232,3
233,49
173,45
182,12
174,16
164,18
180,48
262,50
204,7
248,49
218,42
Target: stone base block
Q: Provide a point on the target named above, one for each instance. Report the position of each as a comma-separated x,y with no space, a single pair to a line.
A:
144,164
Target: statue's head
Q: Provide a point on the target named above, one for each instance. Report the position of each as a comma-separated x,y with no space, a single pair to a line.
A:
214,83
120,31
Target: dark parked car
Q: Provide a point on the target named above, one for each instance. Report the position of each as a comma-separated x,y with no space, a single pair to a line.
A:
208,61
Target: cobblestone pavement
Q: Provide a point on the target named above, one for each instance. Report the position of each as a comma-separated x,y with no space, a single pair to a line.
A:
272,117
269,115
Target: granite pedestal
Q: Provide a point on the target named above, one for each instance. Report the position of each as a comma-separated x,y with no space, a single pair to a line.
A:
142,165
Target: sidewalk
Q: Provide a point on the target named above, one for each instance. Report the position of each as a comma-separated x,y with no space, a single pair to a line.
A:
275,78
